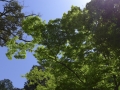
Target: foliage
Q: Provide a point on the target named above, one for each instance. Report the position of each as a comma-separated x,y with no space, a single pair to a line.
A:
76,51
11,21
6,84
34,83
105,24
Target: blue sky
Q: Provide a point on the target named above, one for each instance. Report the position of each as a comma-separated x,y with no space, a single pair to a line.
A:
48,9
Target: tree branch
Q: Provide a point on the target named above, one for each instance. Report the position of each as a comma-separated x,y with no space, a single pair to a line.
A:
115,82
68,68
5,0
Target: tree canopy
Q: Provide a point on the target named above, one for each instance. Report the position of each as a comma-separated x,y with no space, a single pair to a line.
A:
79,51
6,84
11,21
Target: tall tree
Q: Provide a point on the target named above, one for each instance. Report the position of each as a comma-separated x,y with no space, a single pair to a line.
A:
11,21
74,50
6,84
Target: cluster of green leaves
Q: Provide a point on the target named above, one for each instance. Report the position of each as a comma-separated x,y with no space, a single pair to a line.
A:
39,79
78,51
